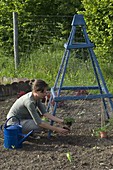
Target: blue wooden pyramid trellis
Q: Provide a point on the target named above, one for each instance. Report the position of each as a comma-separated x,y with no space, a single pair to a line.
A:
78,20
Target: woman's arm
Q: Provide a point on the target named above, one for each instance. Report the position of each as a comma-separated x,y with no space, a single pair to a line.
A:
54,118
54,128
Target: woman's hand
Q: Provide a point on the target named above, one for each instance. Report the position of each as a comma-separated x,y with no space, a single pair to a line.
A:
62,131
54,128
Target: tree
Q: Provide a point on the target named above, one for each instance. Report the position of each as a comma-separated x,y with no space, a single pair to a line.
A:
34,17
99,18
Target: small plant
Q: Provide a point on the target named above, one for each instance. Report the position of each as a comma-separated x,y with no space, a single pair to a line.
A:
69,121
68,154
105,128
101,132
45,119
102,129
13,146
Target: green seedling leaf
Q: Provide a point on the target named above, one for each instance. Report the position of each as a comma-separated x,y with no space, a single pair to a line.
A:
69,156
12,146
69,119
45,119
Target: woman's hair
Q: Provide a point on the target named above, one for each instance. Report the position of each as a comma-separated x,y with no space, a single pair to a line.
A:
39,85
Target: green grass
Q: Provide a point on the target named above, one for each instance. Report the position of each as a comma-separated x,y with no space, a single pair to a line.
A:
44,63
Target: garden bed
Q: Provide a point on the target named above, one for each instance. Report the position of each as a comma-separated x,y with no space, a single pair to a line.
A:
86,151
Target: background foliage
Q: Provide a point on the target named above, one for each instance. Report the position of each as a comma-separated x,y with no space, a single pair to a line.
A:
40,21
99,19
43,28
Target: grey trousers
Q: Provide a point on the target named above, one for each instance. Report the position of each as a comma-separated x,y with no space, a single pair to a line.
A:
28,125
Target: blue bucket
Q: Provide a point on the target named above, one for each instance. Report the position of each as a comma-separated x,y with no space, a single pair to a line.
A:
13,137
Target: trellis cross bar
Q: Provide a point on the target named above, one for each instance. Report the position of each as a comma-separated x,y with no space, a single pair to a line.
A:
78,20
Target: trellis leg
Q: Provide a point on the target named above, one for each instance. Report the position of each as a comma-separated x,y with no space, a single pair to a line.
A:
78,21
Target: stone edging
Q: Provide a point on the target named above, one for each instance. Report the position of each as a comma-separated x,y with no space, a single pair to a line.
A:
15,87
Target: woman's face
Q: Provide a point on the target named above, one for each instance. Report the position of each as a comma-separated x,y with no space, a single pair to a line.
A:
43,94
40,95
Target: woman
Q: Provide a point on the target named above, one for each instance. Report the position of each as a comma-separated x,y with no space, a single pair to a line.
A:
25,108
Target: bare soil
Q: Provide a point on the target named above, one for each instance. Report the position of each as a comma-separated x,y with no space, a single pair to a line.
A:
87,151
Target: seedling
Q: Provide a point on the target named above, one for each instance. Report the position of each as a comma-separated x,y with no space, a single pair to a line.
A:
13,147
45,119
105,128
69,121
68,154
